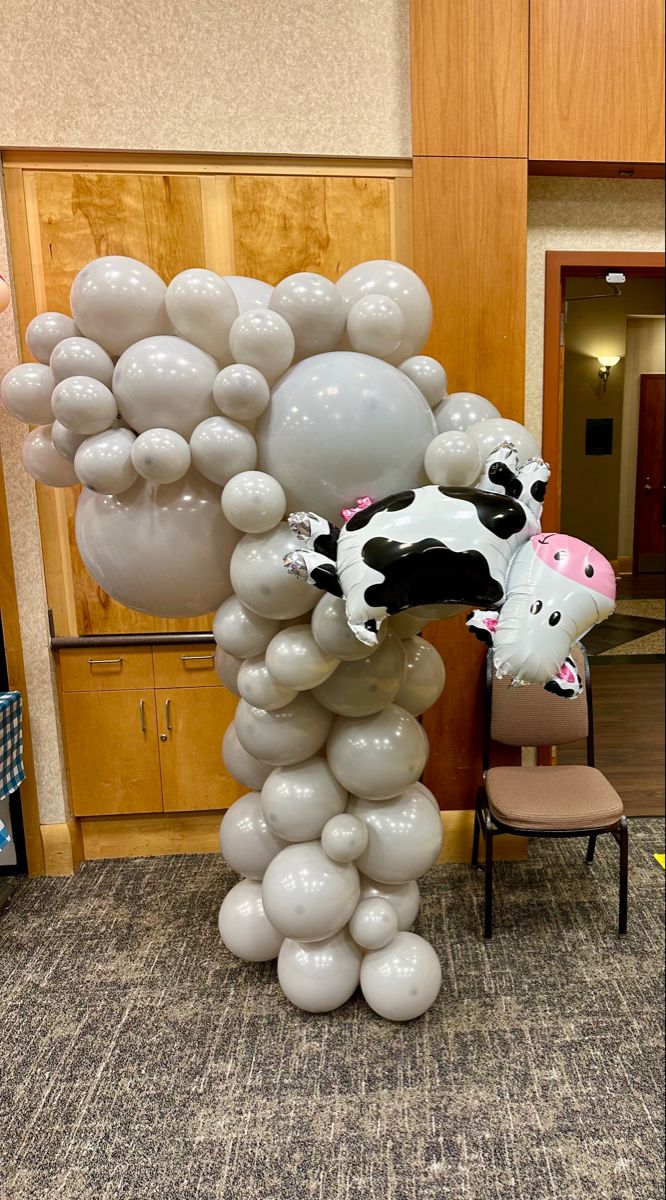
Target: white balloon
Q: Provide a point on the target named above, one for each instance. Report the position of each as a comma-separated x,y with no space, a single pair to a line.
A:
401,285
103,462
260,580
161,456
81,356
453,459
263,340
314,309
424,677
374,924
298,801
244,926
202,308
287,735
377,756
429,376
462,409
45,331
375,325
319,976
163,549
43,462
244,767
295,660
405,834
83,405
250,293
222,448
253,501
246,842
240,631
331,431
344,837
227,668
308,897
65,442
117,301
26,393
241,392
330,630
257,686
489,434
404,897
402,980
357,689
165,383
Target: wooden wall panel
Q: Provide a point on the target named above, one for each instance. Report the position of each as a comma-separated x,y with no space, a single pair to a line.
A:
597,80
469,77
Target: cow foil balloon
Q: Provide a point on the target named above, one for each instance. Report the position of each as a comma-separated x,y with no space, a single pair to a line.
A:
479,546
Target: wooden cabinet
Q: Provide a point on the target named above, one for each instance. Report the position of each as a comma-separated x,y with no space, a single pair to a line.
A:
143,729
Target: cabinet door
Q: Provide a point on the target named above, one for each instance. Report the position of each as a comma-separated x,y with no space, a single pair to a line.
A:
191,723
112,754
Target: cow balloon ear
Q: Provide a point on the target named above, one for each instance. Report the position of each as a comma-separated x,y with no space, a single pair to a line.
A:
483,625
567,683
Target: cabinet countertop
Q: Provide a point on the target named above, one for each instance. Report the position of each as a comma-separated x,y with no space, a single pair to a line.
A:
97,641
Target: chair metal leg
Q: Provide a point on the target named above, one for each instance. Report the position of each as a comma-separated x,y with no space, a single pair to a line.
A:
488,894
624,876
592,841
475,836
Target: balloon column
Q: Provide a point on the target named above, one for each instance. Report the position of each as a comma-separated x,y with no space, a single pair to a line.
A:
197,416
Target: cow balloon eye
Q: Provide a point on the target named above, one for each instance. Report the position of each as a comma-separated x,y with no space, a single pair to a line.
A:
554,618
589,570
537,606
560,555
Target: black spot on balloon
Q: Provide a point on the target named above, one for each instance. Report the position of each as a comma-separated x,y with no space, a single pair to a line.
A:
501,474
484,635
589,570
390,504
538,490
554,618
326,578
427,572
501,515
327,543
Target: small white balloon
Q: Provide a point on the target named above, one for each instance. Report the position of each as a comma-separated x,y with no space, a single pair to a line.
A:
385,278
260,580
246,842
244,926
117,301
81,356
240,631
253,501
488,434
241,392
308,897
429,376
65,442
319,976
43,462
244,767
287,735
202,308
331,632
402,980
453,459
104,464
424,677
375,325
161,456
257,686
222,448
26,393
344,837
377,756
374,924
295,660
404,897
410,622
357,689
250,293
462,409
298,801
404,834
83,405
314,309
263,340
165,383
227,668
45,331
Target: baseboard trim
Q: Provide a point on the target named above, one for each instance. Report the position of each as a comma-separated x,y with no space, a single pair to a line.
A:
63,847
458,833
624,565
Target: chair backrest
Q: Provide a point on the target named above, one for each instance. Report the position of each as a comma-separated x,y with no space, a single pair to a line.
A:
531,716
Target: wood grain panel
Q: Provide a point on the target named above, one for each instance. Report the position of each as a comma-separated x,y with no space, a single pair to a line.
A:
106,670
597,80
184,666
152,834
469,77
191,731
112,762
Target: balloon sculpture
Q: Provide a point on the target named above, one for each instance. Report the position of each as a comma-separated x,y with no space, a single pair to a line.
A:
200,414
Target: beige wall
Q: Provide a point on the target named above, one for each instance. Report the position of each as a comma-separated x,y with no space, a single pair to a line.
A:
645,354
327,77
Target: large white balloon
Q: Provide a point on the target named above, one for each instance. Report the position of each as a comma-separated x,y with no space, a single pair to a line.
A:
241,632
244,767
42,460
163,550
488,434
331,431
165,382
319,976
404,897
244,926
222,448
344,837
117,301
298,801
375,325
286,735
227,668
246,842
263,340
405,835
462,409
331,631
257,686
400,284
253,501
403,979
161,456
429,376
374,924
377,756
26,393
202,308
81,356
306,896
314,309
241,392
45,331
83,405
296,661
357,689
260,579
453,459
250,293
104,464
424,677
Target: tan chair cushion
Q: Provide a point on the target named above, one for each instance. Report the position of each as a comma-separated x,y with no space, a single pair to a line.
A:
552,798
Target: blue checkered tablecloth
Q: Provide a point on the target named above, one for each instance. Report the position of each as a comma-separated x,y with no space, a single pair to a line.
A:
11,743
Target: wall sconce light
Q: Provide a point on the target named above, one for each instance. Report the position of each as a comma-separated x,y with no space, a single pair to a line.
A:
607,361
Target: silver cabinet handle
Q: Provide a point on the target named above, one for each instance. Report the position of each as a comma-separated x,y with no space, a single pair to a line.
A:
103,662
142,715
167,715
196,657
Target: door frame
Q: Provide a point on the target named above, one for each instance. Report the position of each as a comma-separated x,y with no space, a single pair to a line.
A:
559,265
634,550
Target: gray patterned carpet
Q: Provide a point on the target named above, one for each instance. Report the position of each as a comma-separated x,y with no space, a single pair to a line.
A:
139,1060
